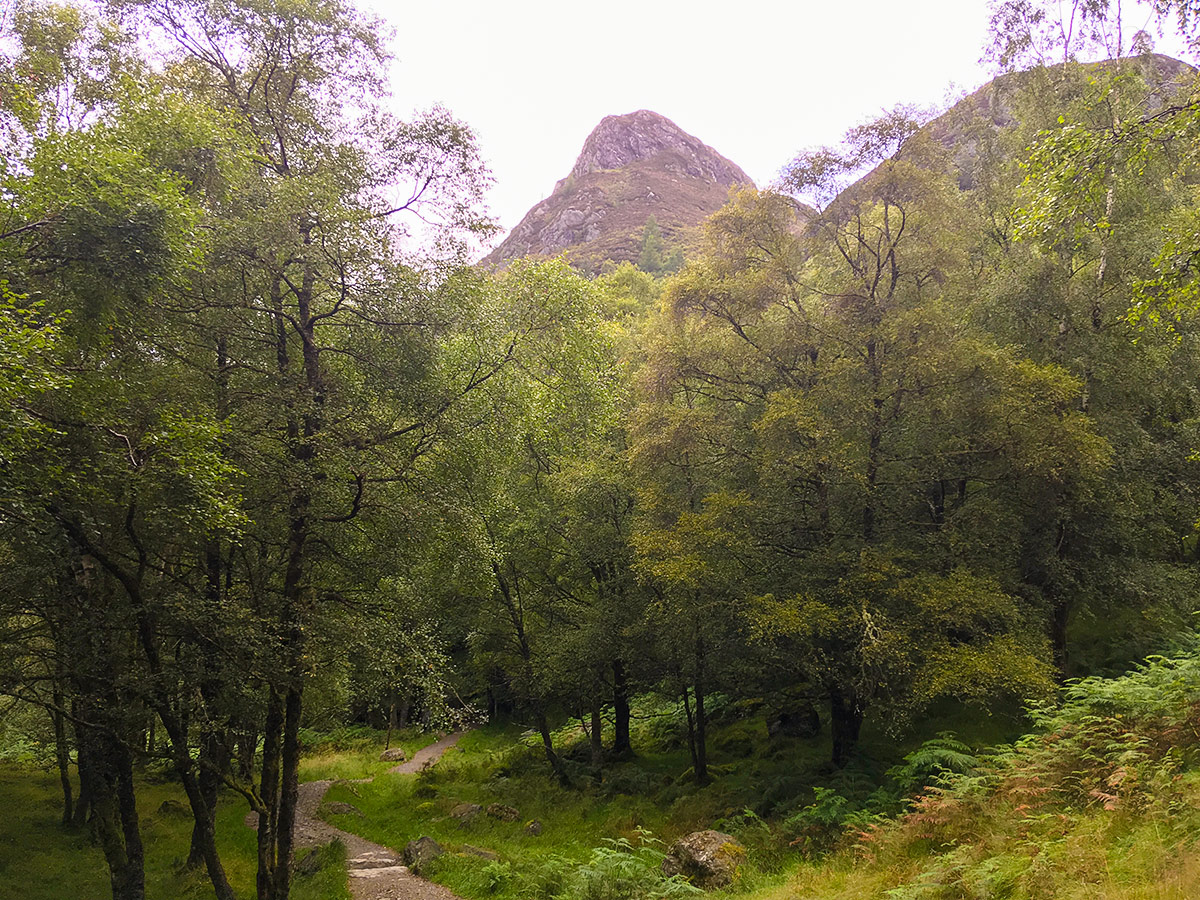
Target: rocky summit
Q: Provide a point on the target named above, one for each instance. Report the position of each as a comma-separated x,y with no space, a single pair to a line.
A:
632,168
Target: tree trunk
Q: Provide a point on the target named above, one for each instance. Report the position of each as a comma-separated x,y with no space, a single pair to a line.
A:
621,745
203,812
246,748
83,757
1059,617
115,813
268,791
874,440
556,765
289,794
845,724
701,758
597,733
174,720
213,762
62,753
130,829
691,731
387,744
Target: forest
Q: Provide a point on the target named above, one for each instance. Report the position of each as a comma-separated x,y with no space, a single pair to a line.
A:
869,538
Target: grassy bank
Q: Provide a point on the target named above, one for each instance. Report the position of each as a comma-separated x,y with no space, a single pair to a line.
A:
1101,802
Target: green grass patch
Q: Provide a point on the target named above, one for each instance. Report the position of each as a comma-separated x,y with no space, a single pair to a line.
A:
41,860
353,753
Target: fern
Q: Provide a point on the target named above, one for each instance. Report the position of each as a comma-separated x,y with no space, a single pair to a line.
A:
932,761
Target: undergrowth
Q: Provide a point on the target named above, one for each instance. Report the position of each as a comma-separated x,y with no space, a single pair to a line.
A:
1100,800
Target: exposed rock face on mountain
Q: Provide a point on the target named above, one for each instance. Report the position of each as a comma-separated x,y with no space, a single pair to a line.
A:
968,128
632,167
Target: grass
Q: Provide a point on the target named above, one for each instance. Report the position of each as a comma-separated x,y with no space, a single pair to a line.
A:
654,794
1100,802
354,753
40,860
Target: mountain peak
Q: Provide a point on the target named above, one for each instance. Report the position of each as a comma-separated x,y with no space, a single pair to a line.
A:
632,167
619,141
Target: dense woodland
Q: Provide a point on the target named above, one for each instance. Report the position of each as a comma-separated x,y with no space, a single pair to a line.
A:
915,429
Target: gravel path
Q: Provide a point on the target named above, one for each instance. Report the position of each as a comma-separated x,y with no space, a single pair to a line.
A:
426,756
376,872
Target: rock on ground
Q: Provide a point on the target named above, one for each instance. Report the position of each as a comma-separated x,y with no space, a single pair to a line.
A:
708,859
419,853
502,812
466,812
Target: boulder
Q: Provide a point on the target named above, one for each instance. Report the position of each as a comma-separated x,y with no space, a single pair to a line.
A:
502,812
396,754
419,853
534,828
708,859
468,850
466,812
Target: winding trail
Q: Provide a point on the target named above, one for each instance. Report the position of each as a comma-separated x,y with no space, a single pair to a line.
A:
376,872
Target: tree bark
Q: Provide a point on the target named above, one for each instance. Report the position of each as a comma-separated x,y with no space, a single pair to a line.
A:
556,765
247,746
845,724
691,727
621,744
115,813
268,790
597,733
701,734
213,762
289,795
83,805
62,754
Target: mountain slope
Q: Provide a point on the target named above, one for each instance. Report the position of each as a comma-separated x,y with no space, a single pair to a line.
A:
632,167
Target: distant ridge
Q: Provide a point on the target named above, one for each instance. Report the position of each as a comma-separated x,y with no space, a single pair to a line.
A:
631,167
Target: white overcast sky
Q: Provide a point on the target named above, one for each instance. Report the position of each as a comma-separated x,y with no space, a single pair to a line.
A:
756,80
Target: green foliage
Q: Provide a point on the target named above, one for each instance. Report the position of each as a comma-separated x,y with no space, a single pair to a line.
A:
654,259
275,458
623,870
938,757
1101,793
